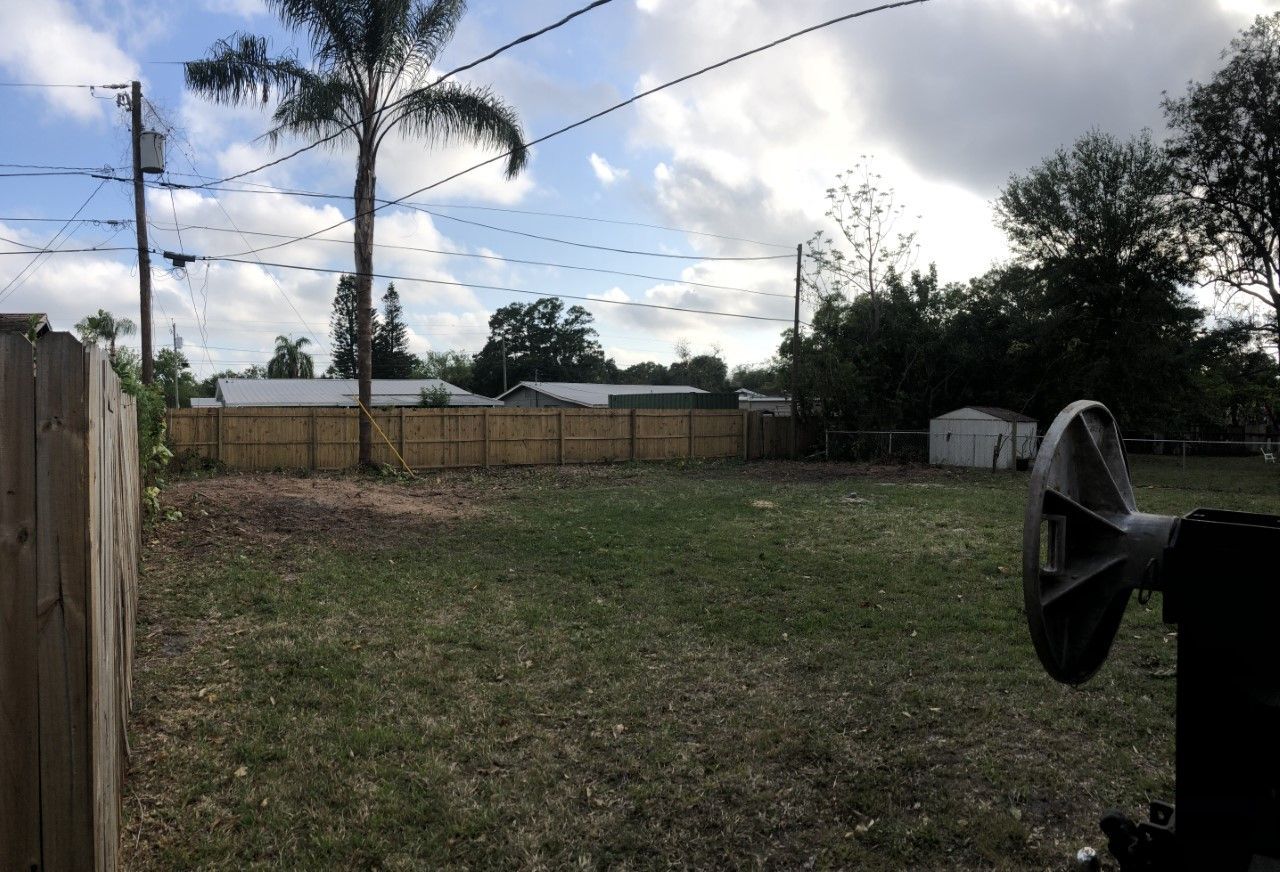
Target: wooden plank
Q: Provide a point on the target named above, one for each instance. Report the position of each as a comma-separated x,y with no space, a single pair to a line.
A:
19,707
400,435
219,425
690,451
560,437
633,435
485,416
311,439
66,800
743,424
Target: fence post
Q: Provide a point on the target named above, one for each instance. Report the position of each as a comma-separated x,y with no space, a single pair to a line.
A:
485,422
401,439
19,720
560,437
311,440
691,432
62,517
633,434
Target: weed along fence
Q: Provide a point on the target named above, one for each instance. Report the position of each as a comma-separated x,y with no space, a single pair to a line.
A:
326,438
69,536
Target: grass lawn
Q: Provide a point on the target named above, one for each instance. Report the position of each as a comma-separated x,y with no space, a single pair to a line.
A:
635,666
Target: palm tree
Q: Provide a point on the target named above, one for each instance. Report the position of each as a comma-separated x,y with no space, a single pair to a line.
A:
290,360
367,78
104,327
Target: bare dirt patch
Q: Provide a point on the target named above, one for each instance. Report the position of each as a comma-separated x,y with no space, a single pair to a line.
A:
267,508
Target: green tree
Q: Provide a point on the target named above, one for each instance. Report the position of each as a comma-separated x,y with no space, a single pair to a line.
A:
765,378
1226,150
291,359
173,367
706,371
344,330
544,341
104,327
455,367
369,63
434,397
1107,258
391,357
645,373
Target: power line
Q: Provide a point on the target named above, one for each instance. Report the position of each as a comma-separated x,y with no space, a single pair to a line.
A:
273,189
116,87
30,269
603,112
480,287
36,252
98,221
467,66
491,257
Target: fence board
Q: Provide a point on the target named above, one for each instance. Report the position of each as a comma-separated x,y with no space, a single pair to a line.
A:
19,712
326,438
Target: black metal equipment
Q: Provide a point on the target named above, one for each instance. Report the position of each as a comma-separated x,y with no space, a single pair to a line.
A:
1086,548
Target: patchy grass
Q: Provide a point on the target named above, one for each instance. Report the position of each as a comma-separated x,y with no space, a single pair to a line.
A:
634,666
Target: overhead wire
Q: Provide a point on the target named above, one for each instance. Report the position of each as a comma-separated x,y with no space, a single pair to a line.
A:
600,114
31,268
485,287
493,257
444,77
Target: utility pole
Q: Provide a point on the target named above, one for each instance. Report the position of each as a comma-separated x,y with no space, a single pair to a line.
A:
177,343
795,353
140,221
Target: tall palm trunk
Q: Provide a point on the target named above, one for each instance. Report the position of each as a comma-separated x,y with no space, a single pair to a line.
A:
364,194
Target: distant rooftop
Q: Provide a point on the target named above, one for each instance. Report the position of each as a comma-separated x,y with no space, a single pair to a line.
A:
20,322
591,394
337,392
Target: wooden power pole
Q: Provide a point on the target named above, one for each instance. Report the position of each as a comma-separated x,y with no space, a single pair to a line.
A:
795,354
140,220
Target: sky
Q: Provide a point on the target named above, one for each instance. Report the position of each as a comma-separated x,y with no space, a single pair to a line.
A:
946,100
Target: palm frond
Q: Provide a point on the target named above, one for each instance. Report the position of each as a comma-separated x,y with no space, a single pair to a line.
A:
240,70
452,111
318,108
433,25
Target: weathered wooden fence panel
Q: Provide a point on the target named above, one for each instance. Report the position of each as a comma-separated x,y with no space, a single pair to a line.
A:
326,438
69,537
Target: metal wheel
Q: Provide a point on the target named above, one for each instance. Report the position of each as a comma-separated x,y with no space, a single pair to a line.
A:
1086,547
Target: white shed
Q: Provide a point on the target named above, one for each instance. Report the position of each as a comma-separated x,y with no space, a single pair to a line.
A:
975,435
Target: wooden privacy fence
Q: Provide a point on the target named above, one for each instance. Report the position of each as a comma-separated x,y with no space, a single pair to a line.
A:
69,536
326,438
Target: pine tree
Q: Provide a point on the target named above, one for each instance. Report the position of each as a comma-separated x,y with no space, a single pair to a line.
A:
391,357
342,329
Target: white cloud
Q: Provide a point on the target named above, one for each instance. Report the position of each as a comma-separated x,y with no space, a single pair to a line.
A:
606,172
49,42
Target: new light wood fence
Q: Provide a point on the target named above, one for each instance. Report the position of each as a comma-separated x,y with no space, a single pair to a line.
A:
326,438
69,537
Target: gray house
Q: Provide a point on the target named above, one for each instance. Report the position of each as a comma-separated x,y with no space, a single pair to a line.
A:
233,392
580,395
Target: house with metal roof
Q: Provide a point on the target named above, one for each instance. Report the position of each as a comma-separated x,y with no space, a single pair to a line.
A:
983,436
233,392
581,395
754,401
205,402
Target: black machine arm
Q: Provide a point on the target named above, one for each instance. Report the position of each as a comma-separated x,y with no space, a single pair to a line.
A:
1086,549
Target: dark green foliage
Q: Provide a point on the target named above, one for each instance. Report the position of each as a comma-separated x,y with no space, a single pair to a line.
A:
544,342
391,357
767,378
291,359
645,373
705,371
170,366
1226,149
455,367
434,398
342,329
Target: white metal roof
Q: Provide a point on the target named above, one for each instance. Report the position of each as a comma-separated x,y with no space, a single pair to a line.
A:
337,392
591,394
204,402
987,412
